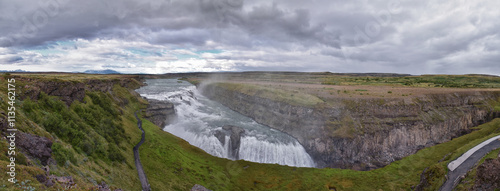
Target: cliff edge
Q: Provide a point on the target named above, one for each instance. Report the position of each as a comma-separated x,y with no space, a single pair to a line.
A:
364,133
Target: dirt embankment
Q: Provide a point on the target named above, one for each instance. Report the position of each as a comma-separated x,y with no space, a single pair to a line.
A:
366,133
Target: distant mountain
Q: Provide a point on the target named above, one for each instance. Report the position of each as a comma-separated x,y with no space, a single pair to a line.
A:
108,71
18,70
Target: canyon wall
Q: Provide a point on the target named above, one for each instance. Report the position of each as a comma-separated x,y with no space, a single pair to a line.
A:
366,133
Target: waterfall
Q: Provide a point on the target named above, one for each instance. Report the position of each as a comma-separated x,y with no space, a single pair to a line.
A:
211,126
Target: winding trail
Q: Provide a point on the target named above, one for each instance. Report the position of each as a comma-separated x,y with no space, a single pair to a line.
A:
455,173
138,165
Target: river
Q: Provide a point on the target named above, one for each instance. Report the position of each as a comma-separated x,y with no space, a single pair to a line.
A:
199,119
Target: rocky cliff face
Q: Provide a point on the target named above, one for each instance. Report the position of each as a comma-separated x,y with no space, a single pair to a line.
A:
70,91
234,134
367,133
160,113
35,146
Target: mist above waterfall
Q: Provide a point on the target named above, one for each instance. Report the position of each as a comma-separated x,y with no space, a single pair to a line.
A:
200,119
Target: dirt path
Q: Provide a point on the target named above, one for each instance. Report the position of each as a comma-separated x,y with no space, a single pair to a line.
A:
138,165
453,177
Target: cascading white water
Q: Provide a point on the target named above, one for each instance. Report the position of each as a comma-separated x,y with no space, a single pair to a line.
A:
200,118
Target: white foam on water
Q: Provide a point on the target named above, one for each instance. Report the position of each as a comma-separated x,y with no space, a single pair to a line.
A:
198,118
292,154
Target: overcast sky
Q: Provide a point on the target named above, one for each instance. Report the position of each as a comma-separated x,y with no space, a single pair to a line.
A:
160,36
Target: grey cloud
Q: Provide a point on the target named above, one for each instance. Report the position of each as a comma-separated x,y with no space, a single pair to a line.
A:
171,22
420,35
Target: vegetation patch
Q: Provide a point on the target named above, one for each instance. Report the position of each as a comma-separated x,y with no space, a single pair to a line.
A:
290,97
448,81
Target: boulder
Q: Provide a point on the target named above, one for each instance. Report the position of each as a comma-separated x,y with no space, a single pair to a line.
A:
36,146
198,187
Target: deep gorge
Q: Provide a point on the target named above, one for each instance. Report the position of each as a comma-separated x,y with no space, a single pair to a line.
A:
365,134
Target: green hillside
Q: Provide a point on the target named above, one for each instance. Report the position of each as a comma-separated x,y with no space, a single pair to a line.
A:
93,140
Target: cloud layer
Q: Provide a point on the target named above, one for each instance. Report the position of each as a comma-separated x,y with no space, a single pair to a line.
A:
156,36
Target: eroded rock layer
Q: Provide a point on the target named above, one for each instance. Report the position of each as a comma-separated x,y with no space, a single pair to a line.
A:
366,133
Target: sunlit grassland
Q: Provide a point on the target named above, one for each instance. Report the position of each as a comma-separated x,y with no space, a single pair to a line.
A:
447,81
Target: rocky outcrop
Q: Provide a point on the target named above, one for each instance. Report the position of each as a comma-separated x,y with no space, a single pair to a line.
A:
235,134
35,146
488,175
3,121
160,112
198,187
367,133
50,180
69,91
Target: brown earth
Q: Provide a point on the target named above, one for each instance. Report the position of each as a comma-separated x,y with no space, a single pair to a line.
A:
488,175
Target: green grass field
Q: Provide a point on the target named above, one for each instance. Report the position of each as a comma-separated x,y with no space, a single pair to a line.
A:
448,81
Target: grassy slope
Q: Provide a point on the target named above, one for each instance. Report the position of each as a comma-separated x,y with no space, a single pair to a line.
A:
86,170
172,164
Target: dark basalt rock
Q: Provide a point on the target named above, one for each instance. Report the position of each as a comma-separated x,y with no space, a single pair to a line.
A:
234,134
365,134
35,146
66,91
69,92
235,140
160,112
221,136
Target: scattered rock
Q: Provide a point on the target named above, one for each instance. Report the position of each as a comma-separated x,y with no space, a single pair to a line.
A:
103,187
36,146
66,181
488,175
160,113
198,187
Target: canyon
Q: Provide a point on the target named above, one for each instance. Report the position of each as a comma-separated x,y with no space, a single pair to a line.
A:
365,133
